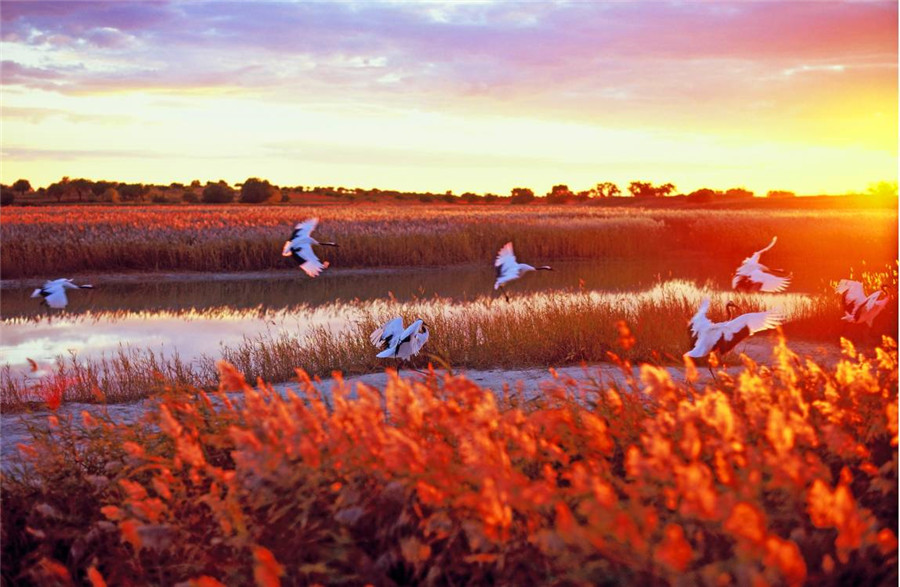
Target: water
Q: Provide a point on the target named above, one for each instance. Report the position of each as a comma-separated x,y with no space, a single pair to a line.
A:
197,314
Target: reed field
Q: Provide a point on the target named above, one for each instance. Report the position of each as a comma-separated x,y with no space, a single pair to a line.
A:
43,241
778,475
539,329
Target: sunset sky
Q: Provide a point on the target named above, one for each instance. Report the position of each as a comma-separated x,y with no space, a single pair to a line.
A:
464,96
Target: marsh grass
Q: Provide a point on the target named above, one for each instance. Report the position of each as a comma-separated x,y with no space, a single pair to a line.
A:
532,330
779,475
47,241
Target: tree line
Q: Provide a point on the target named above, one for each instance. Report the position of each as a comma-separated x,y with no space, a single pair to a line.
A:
259,191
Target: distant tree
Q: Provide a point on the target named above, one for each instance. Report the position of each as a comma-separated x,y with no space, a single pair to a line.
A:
427,198
606,189
703,195
81,187
190,196
195,183
559,194
257,191
738,193
645,189
176,185
59,189
583,195
218,193
7,195
21,186
449,198
778,194
132,192
470,197
111,195
883,189
98,188
521,196
489,198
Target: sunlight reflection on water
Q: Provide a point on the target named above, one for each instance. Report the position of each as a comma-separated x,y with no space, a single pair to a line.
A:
198,318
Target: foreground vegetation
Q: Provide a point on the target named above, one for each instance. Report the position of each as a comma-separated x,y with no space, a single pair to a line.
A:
532,330
43,242
782,475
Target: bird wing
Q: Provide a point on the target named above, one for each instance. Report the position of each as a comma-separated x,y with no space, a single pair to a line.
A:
310,263
852,292
754,258
419,339
56,296
305,228
385,334
506,265
699,322
753,321
769,282
706,340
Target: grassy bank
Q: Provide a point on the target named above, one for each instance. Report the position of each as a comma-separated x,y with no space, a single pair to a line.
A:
65,240
531,330
784,475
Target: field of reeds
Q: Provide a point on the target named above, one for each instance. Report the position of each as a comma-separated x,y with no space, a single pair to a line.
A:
781,475
69,240
537,329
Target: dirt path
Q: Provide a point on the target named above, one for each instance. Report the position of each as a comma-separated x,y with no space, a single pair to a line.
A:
14,427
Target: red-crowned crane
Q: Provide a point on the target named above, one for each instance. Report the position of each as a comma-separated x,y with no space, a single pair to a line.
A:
401,343
300,248
721,337
754,276
858,307
508,269
54,292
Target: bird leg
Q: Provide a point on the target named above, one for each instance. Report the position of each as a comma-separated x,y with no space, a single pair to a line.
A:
708,366
505,295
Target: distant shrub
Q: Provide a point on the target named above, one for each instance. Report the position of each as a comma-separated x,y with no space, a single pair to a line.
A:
190,197
218,193
7,196
111,195
521,196
777,194
257,191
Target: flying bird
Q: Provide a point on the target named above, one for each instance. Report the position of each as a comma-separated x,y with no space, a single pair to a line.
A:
721,337
754,276
404,344
300,248
54,292
858,307
508,269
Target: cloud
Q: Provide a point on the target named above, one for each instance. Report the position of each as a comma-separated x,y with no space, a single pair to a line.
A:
677,64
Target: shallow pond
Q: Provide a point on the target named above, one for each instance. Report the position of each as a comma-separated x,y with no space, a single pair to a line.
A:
196,314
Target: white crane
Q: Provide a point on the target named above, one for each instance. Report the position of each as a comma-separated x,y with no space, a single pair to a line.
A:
858,307
385,335
54,292
754,276
508,269
721,337
300,248
401,343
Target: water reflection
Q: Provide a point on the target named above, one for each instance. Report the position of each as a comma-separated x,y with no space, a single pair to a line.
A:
285,290
196,317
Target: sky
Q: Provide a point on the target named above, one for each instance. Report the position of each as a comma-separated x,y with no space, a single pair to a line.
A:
463,96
